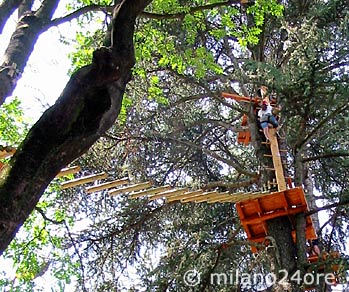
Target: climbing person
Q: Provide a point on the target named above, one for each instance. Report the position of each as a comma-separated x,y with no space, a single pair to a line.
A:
266,118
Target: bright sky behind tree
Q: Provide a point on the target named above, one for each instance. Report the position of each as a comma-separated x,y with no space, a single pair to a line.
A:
45,76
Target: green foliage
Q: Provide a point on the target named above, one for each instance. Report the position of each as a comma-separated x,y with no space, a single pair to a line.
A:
40,249
13,125
86,44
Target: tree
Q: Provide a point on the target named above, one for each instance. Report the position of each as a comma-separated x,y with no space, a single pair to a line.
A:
84,111
182,136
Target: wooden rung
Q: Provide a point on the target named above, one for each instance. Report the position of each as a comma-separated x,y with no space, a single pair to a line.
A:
199,197
267,155
266,143
149,192
208,196
68,170
227,199
221,197
213,196
283,150
269,168
168,193
107,185
83,180
184,195
129,189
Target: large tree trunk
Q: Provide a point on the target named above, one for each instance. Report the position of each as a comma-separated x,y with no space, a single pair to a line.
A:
280,230
88,107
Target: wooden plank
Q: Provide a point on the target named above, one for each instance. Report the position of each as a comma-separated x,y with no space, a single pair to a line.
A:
271,215
208,196
129,189
198,198
168,194
279,172
68,170
83,180
229,198
184,195
220,198
107,185
149,192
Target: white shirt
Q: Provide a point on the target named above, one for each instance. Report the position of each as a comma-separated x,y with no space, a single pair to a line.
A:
268,111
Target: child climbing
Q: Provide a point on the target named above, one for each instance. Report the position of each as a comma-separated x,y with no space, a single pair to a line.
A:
266,118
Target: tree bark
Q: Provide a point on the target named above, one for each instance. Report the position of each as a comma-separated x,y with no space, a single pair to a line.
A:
87,107
7,7
281,230
28,29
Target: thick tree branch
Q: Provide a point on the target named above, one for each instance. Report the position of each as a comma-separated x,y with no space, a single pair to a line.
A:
86,109
77,13
326,155
192,10
7,7
231,185
329,206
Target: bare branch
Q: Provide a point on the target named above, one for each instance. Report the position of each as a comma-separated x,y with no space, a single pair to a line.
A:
79,12
180,15
327,207
337,111
326,155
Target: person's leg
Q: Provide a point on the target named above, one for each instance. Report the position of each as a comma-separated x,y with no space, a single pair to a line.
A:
273,121
265,128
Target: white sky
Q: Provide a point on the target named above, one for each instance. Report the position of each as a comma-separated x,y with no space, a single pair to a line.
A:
45,75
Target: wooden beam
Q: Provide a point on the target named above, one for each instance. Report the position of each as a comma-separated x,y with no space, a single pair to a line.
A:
209,196
279,172
107,185
239,97
129,189
198,197
271,215
168,194
184,195
68,170
149,192
83,180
